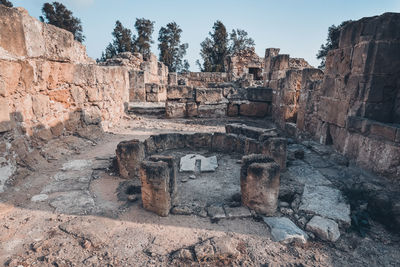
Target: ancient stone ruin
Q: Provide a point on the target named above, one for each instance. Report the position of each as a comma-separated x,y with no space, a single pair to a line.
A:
124,163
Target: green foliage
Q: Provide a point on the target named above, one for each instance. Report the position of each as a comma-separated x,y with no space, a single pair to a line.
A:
240,41
6,3
58,15
332,42
214,49
172,50
144,28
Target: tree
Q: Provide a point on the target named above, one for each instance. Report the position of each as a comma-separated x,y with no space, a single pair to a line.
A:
123,42
171,49
144,28
6,3
214,49
332,42
58,15
240,41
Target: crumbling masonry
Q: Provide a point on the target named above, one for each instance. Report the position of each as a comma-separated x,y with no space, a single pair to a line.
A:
49,87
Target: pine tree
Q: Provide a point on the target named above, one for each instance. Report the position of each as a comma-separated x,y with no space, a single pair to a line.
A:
214,49
144,28
123,42
171,49
58,15
6,3
240,41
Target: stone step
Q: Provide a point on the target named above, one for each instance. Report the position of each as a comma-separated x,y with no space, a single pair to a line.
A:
147,108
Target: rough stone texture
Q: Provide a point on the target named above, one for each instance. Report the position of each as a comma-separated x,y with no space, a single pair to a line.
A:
170,160
275,148
259,185
325,229
156,187
255,109
175,109
244,63
326,202
284,230
130,154
211,111
355,105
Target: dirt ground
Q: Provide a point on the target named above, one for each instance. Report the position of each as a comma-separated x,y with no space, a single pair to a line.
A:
74,210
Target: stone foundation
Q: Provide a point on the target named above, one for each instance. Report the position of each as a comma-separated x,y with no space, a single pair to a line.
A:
158,173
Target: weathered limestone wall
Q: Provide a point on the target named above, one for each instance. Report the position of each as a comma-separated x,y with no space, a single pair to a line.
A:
219,101
286,76
245,63
356,108
49,86
199,79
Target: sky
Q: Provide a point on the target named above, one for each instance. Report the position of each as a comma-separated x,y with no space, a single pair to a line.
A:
297,27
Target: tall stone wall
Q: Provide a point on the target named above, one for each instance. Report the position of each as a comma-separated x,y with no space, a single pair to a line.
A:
49,86
356,107
287,77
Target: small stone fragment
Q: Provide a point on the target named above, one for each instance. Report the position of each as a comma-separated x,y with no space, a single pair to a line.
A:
325,229
284,230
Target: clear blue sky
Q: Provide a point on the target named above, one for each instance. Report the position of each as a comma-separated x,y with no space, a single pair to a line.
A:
298,27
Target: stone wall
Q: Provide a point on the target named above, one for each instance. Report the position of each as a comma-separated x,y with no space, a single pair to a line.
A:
49,87
245,63
286,77
356,107
225,99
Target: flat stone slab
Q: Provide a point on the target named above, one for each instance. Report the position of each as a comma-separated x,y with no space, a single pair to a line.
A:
216,212
76,165
326,202
239,212
74,202
188,163
284,230
39,198
306,174
5,173
326,229
68,181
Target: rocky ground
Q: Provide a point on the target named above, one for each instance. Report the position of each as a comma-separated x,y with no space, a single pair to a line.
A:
73,210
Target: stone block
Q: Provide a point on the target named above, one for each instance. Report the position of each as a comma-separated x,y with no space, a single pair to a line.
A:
169,141
130,154
384,131
177,92
191,109
175,109
252,146
156,187
137,91
209,95
40,105
233,110
212,111
152,88
259,94
172,78
5,124
199,140
276,148
255,109
170,160
260,187
227,143
248,131
326,229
